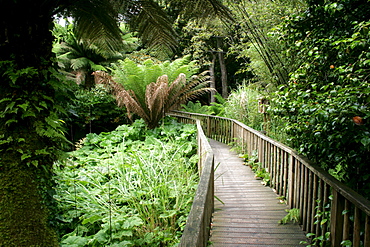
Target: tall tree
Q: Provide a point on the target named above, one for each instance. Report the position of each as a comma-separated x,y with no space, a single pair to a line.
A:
31,135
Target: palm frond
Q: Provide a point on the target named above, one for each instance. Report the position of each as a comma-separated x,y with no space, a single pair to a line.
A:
205,9
154,27
96,22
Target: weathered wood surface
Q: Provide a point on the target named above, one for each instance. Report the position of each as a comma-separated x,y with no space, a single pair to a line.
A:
250,212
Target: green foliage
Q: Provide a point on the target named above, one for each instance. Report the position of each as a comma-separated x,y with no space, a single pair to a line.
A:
31,139
325,105
197,107
322,216
254,41
32,108
293,215
322,240
152,100
129,187
242,105
93,110
79,58
136,76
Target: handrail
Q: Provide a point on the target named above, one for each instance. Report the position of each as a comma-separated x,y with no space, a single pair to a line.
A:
318,195
196,232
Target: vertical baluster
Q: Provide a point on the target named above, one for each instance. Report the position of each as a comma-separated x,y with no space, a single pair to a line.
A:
259,149
269,158
305,199
286,172
297,185
263,152
309,200
346,221
367,231
336,219
281,166
291,181
208,130
356,228
273,170
314,202
301,193
324,227
277,167
319,208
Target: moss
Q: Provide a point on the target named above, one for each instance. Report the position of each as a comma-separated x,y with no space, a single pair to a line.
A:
23,215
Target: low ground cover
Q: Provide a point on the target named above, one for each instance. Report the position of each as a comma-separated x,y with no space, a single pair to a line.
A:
128,187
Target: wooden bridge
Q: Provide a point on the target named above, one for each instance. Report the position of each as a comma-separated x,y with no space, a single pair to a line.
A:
232,208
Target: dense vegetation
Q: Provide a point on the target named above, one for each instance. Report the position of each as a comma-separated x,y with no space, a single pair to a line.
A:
325,103
308,60
128,187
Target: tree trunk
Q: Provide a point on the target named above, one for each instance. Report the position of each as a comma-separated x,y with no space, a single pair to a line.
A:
30,133
213,78
221,59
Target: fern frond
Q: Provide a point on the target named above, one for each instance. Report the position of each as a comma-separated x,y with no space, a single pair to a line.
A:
204,9
96,22
154,27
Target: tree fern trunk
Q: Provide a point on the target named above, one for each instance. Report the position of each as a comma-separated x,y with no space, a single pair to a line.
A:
23,213
221,59
213,77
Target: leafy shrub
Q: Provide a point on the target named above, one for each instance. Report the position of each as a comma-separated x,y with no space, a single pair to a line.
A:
93,110
128,187
326,104
197,107
242,105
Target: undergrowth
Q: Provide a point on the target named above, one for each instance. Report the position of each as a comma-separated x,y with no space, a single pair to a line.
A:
128,187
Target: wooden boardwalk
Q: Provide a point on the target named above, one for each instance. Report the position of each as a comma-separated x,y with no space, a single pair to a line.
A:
250,212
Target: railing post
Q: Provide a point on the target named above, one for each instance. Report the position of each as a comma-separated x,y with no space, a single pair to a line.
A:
336,223
208,127
291,182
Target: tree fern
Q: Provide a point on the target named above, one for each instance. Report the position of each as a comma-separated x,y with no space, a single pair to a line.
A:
160,97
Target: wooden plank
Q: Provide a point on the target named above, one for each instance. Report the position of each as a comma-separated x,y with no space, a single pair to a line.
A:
249,214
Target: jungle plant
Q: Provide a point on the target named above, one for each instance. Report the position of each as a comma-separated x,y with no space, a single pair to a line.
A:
255,44
31,133
322,216
292,216
93,110
129,187
326,104
242,105
159,98
197,107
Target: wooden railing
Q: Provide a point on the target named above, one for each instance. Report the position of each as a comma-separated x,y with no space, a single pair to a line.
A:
197,227
325,204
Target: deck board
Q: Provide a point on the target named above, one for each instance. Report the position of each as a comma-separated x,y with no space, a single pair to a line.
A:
249,212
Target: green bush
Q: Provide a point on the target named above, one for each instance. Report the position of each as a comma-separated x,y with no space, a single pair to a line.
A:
93,111
242,105
326,104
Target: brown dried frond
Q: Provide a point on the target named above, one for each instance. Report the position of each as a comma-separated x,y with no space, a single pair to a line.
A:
130,101
102,77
